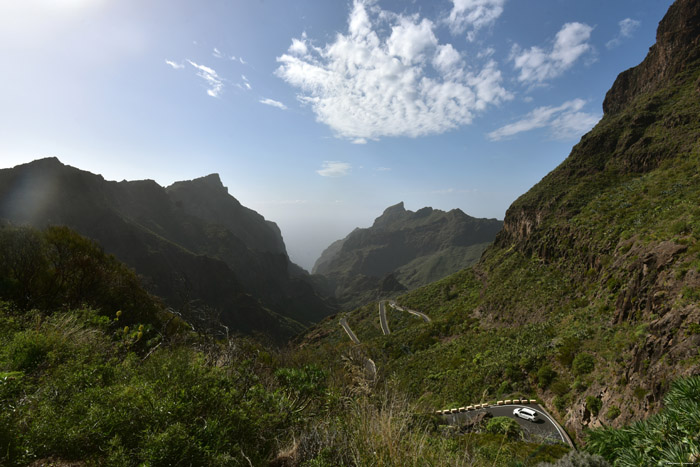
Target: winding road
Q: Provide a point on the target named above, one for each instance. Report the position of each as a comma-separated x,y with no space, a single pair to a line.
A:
544,428
420,314
382,318
351,335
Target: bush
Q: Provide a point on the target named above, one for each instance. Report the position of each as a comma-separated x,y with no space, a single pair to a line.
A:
504,426
561,403
560,387
583,364
545,375
27,350
593,404
612,413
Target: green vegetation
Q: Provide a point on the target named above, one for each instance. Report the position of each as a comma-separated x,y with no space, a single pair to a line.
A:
583,364
671,436
504,426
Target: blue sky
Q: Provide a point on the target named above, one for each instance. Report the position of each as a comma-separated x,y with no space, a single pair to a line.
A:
318,114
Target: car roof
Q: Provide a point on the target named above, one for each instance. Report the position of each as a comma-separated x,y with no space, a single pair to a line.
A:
526,410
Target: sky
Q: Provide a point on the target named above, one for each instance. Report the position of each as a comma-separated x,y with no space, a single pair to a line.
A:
318,114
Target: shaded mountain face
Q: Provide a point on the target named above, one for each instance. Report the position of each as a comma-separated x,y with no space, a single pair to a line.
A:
403,250
589,297
195,245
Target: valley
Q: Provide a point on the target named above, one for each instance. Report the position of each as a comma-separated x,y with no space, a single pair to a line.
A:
158,325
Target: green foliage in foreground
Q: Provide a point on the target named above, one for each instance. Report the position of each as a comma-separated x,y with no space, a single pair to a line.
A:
80,392
669,437
75,387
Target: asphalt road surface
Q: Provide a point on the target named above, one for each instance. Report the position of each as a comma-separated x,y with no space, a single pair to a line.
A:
382,318
351,334
413,312
544,428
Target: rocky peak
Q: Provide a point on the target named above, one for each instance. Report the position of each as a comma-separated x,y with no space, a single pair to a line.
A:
677,46
390,214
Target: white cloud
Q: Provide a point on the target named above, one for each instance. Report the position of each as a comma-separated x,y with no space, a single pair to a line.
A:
246,83
298,47
473,15
334,169
273,103
537,65
367,83
175,65
243,62
216,84
565,122
217,53
627,28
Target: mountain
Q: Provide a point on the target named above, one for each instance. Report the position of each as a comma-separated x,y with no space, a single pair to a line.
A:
195,245
589,298
403,250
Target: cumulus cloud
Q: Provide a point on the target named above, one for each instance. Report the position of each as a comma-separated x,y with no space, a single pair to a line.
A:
566,121
537,64
214,82
389,76
627,28
273,103
334,169
473,15
175,65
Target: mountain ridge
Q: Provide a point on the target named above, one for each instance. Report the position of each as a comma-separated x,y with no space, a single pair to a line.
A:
185,239
401,250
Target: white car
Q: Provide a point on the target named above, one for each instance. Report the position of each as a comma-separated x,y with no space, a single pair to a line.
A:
527,414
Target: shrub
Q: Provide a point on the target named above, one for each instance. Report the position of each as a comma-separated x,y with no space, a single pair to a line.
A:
504,426
560,387
545,375
27,350
612,413
593,404
583,364
561,403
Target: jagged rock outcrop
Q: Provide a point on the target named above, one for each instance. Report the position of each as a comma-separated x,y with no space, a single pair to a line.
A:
677,47
642,273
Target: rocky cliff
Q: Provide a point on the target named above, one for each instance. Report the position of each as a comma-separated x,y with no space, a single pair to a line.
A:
195,245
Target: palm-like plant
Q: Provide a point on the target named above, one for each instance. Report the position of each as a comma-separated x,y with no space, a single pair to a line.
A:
670,436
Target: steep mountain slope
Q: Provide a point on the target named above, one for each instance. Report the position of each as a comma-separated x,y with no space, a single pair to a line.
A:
403,250
196,246
590,296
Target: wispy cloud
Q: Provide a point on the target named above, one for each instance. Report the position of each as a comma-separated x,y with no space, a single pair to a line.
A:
627,28
376,81
217,53
473,15
175,65
246,83
273,103
537,65
383,169
214,82
334,169
566,121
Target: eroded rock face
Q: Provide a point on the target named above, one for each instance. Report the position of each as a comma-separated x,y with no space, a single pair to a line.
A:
676,47
649,283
